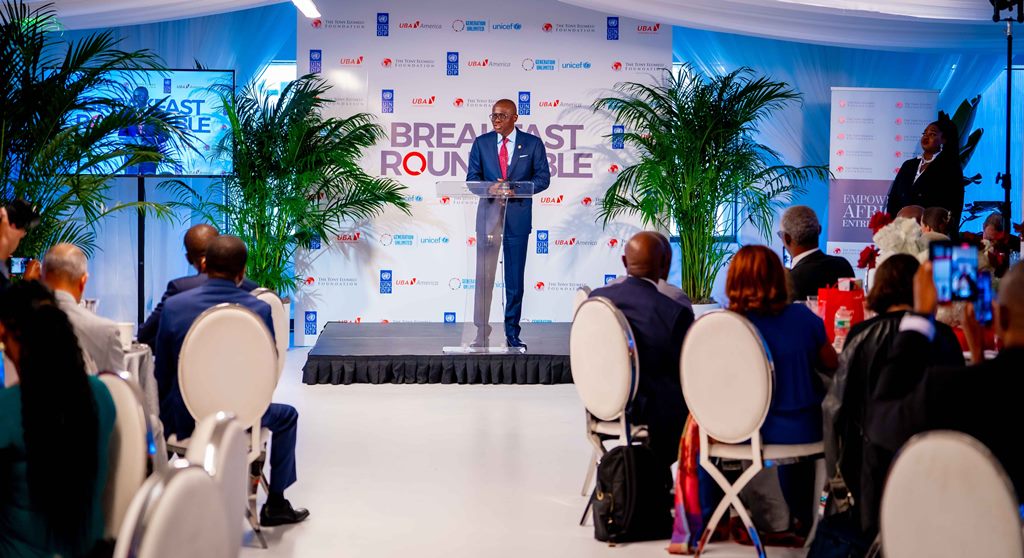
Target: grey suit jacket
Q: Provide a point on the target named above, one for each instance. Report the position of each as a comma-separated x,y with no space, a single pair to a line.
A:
96,335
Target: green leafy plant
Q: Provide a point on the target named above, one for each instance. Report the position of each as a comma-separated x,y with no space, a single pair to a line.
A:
297,176
963,119
61,163
694,136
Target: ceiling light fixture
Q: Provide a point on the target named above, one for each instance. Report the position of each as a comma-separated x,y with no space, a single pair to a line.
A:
307,7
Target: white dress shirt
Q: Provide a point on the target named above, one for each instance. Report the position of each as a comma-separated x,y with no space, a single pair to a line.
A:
796,259
511,146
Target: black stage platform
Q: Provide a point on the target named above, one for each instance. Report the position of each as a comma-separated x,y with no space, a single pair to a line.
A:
410,353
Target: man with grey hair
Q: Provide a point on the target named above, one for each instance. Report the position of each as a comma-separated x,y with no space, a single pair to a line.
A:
65,271
811,268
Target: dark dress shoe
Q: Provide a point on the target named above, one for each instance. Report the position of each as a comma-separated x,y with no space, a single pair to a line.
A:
515,342
281,514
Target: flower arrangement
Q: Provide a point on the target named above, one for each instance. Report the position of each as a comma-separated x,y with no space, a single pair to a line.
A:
901,236
868,257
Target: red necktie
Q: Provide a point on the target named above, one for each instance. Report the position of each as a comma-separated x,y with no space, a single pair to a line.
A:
503,159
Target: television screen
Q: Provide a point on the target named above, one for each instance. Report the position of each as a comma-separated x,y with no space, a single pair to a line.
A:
194,95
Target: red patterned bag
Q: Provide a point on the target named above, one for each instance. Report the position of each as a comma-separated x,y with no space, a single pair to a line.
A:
831,299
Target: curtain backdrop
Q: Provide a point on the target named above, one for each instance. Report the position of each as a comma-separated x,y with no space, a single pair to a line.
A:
85,14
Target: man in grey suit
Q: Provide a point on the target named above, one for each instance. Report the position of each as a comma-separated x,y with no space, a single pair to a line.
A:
65,271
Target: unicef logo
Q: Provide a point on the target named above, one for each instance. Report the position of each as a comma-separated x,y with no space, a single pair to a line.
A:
542,235
517,26
444,240
388,95
385,275
586,65
453,57
524,97
382,18
613,22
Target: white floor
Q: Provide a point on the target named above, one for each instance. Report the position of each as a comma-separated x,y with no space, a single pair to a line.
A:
442,470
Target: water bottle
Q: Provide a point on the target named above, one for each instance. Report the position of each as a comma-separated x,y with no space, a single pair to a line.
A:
841,328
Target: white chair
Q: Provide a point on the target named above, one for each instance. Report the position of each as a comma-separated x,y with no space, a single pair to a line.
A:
280,318
228,362
606,372
582,294
220,446
727,378
176,513
132,452
947,495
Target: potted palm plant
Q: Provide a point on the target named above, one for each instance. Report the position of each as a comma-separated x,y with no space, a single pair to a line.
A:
63,164
698,158
297,176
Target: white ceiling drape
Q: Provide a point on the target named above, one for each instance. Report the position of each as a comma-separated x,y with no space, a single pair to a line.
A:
88,14
957,25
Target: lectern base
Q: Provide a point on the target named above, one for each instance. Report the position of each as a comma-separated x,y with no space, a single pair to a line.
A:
462,350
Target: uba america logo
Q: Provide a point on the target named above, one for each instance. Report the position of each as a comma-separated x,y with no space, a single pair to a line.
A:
548,104
357,61
424,101
478,63
648,29
552,200
348,237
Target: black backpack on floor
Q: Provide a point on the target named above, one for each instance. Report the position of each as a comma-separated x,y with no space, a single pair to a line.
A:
632,500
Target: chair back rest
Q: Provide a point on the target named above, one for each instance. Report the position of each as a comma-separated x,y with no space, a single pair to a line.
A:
220,446
604,358
176,513
582,294
129,453
947,496
727,376
228,363
280,318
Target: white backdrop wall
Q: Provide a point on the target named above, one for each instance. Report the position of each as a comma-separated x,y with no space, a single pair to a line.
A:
431,74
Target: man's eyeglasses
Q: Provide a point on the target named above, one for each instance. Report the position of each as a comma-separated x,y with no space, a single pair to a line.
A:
500,116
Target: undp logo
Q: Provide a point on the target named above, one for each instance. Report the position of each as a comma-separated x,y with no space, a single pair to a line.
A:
613,29
618,136
542,241
314,242
608,278
387,100
449,317
524,103
386,281
453,64
382,24
315,61
310,323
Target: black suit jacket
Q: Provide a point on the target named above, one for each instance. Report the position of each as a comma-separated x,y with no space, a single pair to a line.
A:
815,271
659,325
940,185
148,330
982,400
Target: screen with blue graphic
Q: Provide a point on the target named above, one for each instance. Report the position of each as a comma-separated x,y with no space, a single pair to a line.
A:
195,96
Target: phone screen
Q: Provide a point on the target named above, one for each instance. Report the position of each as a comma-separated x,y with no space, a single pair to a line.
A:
941,255
18,265
965,272
983,305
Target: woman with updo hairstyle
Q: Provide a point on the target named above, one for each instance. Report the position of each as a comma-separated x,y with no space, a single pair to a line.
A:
935,179
55,428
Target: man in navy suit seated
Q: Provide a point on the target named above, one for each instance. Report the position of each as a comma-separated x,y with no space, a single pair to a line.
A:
659,324
225,266
196,240
504,155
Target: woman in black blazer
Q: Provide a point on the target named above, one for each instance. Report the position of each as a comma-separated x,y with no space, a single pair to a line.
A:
934,179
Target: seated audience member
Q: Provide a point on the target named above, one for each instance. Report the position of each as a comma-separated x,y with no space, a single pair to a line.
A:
664,287
982,400
65,271
756,287
935,224
811,268
659,324
225,266
55,429
865,354
994,231
197,239
915,212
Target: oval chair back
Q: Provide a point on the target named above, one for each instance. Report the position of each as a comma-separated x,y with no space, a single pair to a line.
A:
228,362
948,496
176,513
604,359
727,376
130,452
220,446
280,317
582,294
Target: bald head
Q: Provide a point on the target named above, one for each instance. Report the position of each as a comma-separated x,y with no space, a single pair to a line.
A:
197,239
65,268
666,247
225,258
915,212
645,256
1010,307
